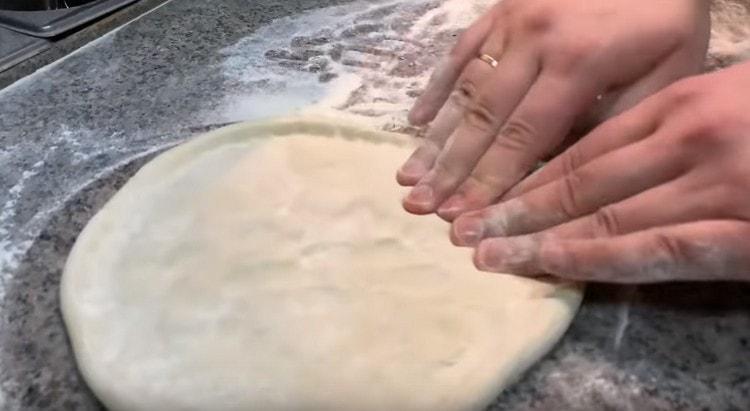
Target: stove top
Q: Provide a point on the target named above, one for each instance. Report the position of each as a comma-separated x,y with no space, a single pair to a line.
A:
53,22
16,47
29,30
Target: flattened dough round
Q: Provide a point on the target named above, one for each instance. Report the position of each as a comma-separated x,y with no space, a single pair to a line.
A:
271,267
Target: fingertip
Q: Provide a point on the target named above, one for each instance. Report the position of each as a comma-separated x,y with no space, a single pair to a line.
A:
452,208
467,231
417,116
448,217
414,209
483,257
405,180
456,239
517,255
411,172
420,201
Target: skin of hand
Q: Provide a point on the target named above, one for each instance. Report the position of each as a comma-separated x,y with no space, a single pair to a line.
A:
658,193
556,60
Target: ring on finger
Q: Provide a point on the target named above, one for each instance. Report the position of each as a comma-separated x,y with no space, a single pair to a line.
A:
489,60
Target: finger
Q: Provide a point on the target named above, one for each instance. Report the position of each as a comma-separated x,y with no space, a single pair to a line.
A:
423,159
447,73
488,105
627,128
536,127
706,250
676,202
602,182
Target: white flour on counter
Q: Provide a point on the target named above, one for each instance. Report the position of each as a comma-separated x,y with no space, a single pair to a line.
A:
730,31
365,59
15,241
284,73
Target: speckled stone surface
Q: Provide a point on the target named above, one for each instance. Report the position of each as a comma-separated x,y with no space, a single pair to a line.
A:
72,133
64,44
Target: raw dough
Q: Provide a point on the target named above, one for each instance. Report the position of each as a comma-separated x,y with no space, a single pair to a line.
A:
271,267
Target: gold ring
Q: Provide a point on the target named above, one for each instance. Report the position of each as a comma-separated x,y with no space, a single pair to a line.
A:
489,60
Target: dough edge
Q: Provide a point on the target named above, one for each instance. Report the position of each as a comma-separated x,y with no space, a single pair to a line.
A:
568,296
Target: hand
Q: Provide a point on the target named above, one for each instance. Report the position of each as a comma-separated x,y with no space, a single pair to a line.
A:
554,57
661,192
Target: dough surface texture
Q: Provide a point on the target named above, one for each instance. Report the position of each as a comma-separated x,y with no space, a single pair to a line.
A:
270,267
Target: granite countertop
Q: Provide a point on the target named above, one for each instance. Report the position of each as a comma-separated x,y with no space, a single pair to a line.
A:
73,132
50,50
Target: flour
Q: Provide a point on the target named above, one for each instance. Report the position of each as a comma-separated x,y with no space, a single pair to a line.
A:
10,251
594,383
372,60
369,62
76,147
16,240
625,298
730,32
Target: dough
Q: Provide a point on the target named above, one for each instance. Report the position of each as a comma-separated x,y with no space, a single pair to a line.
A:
271,267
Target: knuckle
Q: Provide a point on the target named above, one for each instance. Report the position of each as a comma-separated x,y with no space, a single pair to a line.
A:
703,133
682,93
710,123
457,99
670,248
516,135
466,90
479,116
444,171
606,222
569,55
563,261
571,160
535,20
465,93
570,203
485,182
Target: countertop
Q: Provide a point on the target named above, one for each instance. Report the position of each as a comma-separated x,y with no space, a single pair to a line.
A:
44,51
74,131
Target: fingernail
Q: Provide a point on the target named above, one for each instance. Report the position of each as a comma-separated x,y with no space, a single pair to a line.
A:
421,196
469,230
486,258
515,255
414,168
451,208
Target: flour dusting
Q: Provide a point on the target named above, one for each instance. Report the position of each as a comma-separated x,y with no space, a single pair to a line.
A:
730,32
10,251
365,60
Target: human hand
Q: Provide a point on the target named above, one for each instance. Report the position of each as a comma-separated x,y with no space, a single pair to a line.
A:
554,57
661,192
